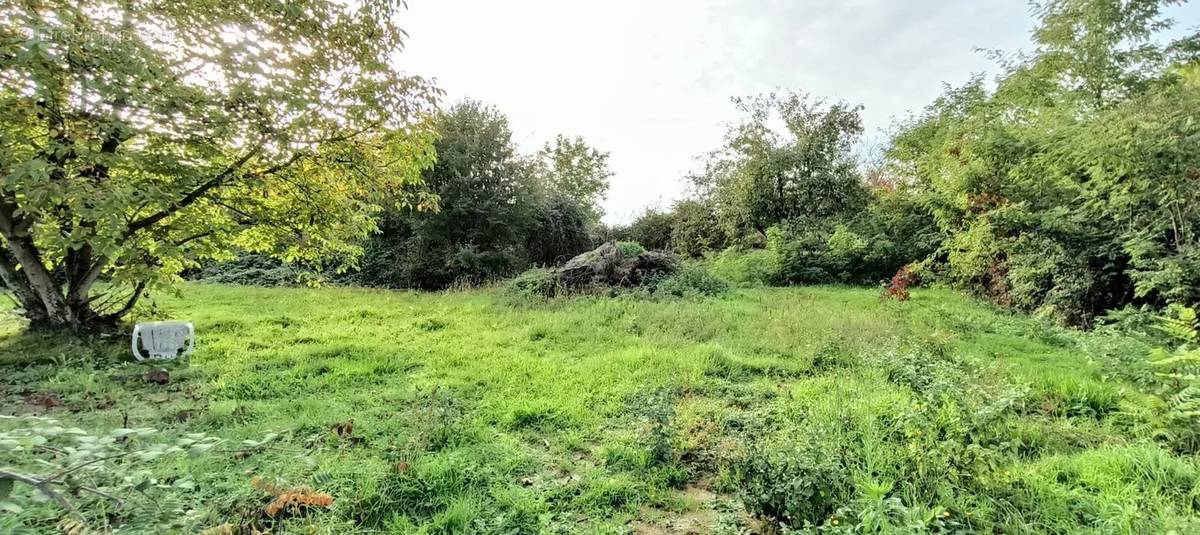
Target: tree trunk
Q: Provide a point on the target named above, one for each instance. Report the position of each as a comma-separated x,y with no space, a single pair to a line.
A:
82,273
16,282
49,304
40,281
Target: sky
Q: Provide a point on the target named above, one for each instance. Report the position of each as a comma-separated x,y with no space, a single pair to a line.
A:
650,81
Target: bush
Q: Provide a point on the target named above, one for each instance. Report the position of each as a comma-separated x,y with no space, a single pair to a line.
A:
839,255
251,270
836,255
748,268
697,230
797,483
534,284
652,229
630,249
693,280
114,478
898,287
803,260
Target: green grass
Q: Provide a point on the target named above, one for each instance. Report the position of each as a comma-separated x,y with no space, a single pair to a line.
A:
608,415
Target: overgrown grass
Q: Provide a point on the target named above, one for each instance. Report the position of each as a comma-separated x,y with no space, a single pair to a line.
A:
811,406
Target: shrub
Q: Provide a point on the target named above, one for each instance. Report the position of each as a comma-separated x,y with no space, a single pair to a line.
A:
1061,271
697,229
97,479
693,280
803,260
746,268
840,254
251,270
652,229
534,284
630,249
898,287
795,483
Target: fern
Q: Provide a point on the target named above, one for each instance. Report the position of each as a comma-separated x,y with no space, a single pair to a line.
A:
1180,324
1181,365
1179,372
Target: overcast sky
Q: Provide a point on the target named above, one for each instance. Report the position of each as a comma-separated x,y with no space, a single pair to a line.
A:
650,80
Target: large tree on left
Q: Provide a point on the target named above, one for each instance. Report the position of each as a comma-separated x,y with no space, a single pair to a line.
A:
138,137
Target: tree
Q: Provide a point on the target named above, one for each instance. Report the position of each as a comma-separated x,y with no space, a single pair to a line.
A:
1069,189
763,177
652,229
577,171
1098,52
140,137
487,194
695,228
560,230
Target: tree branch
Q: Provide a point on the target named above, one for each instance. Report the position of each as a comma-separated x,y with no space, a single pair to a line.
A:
191,196
133,299
46,487
195,237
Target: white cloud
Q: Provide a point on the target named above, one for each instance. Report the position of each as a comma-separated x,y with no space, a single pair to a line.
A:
650,81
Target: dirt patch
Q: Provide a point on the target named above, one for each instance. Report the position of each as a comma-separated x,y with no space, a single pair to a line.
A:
698,520
45,400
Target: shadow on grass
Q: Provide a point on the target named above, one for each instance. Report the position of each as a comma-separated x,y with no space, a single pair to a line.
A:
20,346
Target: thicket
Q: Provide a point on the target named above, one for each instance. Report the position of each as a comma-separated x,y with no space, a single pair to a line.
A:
1068,188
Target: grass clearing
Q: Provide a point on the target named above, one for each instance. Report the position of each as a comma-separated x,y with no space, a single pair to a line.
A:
468,414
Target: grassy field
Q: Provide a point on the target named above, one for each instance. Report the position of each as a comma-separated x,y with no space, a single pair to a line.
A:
462,413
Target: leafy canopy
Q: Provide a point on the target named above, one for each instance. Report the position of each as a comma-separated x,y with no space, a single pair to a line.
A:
500,210
789,160
140,137
1071,188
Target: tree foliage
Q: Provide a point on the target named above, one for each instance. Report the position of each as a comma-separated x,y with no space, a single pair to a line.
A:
1071,188
652,229
764,175
500,211
138,138
578,172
